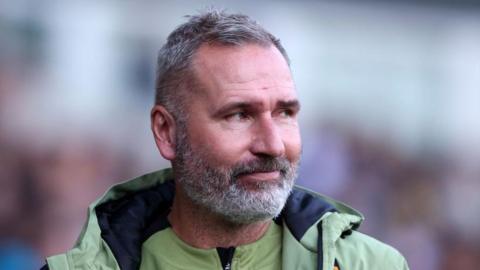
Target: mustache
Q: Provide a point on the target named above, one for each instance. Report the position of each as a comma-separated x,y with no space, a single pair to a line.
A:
263,164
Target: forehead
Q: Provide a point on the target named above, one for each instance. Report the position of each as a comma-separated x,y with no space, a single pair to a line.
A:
242,70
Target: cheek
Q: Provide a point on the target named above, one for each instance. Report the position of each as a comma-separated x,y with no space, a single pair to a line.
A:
293,144
220,146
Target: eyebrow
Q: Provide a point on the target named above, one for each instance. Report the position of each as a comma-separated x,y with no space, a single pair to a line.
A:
244,105
293,104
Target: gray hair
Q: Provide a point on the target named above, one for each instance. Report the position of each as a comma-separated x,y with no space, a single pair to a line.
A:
174,74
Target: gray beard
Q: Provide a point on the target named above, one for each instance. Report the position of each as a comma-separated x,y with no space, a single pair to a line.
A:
218,190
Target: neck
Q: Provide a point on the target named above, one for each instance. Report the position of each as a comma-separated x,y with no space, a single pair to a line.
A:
200,228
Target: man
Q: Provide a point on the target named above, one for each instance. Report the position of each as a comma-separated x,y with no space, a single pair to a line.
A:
226,117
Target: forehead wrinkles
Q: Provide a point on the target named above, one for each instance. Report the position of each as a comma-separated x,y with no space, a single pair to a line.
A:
257,84
235,75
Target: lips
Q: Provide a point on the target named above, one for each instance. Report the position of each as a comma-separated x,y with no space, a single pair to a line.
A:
264,171
254,177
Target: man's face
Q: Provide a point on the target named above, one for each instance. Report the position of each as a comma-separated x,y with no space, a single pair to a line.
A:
238,150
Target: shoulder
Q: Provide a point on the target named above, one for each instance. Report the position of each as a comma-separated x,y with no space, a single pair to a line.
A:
360,251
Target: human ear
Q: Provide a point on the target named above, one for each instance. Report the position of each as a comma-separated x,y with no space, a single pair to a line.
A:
163,128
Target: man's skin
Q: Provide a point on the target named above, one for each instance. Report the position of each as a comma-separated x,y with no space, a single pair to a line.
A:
244,107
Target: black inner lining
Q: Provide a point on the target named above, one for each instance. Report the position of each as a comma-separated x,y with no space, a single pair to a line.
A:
226,257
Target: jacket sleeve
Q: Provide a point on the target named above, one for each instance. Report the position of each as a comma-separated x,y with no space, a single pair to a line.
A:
403,264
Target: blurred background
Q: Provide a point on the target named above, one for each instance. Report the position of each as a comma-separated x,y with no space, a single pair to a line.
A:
390,94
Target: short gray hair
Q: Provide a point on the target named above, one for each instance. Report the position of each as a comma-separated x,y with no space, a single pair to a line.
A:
174,74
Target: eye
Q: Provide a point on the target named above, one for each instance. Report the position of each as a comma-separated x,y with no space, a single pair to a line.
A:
286,113
237,116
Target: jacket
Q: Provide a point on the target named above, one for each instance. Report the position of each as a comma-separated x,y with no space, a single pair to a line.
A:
318,232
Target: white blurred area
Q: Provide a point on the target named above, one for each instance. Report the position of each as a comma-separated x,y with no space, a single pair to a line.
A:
390,97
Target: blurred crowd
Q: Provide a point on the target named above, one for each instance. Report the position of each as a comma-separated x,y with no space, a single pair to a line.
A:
424,204
74,98
44,194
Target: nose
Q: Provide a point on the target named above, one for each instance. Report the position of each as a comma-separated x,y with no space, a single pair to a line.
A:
267,139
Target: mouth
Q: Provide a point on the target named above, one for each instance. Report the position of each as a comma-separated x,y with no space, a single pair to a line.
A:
260,176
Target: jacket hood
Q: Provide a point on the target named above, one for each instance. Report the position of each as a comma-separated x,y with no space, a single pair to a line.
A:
126,215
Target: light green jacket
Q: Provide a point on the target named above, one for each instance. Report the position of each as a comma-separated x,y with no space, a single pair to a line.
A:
318,232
